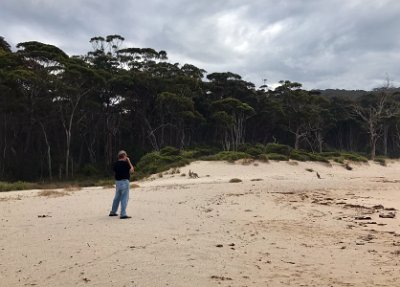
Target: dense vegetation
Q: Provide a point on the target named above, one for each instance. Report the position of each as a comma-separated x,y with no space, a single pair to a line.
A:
66,116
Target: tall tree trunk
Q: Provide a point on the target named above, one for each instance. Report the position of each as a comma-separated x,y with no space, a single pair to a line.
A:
373,147
373,138
162,137
182,140
68,130
4,152
385,139
320,140
153,139
226,141
31,122
68,133
350,139
340,137
297,139
48,151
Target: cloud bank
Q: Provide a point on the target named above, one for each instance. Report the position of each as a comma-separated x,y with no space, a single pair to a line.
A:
349,44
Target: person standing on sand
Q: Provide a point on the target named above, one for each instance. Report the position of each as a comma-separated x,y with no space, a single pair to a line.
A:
122,169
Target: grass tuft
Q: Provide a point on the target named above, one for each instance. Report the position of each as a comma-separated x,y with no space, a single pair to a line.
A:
52,193
277,156
380,160
274,148
73,187
18,185
348,167
230,156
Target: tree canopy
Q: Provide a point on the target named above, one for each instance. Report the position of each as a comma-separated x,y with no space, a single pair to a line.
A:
60,115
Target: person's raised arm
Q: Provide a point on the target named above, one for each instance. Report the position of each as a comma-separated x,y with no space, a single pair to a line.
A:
132,169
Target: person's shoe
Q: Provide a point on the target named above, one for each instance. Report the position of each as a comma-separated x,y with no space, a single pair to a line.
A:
113,214
125,217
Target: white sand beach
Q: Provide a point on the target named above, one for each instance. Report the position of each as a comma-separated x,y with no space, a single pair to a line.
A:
280,226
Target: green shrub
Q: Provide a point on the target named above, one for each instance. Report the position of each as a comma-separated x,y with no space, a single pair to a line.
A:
89,170
150,163
263,157
274,148
253,150
169,150
244,147
339,159
177,162
277,156
354,157
230,156
381,160
198,152
330,154
188,153
137,175
317,157
299,155
154,162
302,155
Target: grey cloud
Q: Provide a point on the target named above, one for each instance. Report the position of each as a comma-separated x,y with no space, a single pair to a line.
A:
322,44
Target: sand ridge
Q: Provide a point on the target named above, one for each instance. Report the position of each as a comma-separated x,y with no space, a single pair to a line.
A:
282,225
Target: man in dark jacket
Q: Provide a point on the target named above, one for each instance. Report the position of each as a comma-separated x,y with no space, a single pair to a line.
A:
122,169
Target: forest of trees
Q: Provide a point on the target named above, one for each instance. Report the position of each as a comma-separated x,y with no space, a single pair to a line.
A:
60,114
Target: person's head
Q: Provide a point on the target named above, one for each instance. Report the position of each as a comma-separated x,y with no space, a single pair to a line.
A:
122,154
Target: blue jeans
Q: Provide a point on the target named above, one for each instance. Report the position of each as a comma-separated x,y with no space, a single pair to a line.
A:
121,195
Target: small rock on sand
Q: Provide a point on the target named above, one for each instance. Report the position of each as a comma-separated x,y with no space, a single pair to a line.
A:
387,215
362,218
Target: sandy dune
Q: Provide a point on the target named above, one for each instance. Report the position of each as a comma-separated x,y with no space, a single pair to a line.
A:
280,226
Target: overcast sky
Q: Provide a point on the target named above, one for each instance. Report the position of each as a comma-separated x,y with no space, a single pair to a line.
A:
350,44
